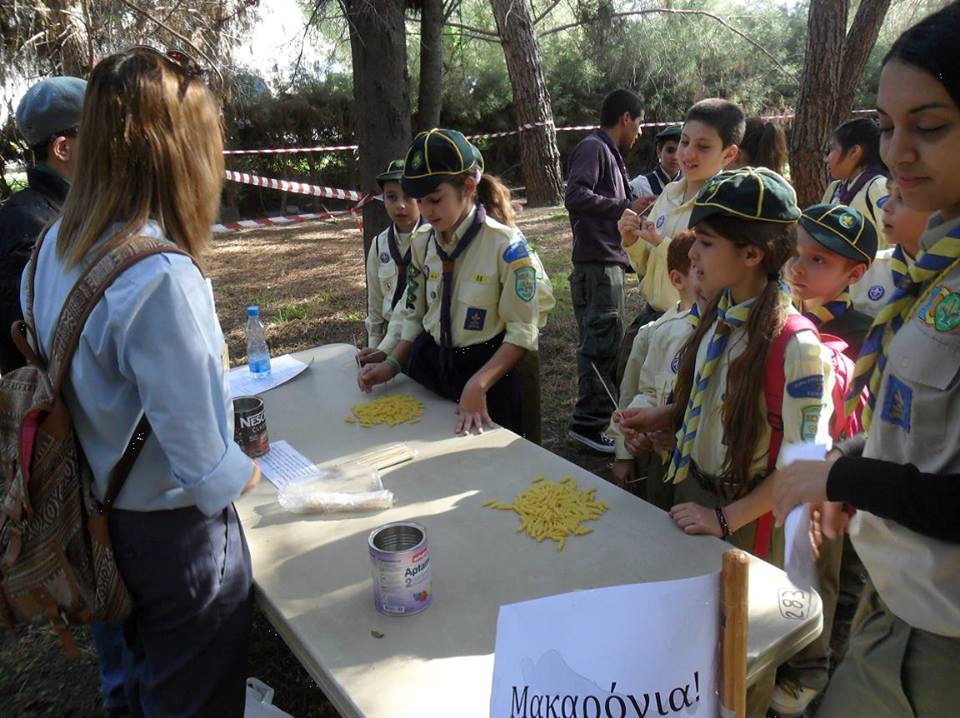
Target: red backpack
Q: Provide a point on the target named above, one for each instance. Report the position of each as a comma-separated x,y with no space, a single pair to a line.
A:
842,425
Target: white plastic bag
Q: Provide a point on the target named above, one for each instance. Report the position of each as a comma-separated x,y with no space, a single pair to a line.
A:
337,489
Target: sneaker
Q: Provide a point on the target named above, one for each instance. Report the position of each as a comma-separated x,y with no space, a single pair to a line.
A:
790,699
596,440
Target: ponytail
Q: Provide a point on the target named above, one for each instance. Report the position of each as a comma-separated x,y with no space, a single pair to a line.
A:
495,196
765,144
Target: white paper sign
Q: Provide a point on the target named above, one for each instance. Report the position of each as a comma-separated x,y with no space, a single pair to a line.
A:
643,649
282,369
798,560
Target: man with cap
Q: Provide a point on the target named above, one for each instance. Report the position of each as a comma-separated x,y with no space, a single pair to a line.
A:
668,165
47,117
597,194
835,247
387,264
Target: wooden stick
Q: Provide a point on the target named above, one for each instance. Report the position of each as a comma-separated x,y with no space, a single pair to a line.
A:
736,570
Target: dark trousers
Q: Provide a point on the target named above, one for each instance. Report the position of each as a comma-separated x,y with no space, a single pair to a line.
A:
597,293
504,399
185,645
528,371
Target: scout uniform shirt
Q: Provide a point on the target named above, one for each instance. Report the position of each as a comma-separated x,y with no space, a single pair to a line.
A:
494,287
670,215
917,421
807,407
651,370
865,200
876,286
383,324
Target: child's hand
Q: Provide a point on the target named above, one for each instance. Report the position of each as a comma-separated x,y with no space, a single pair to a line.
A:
802,482
623,472
663,440
695,519
640,204
629,227
373,374
472,410
370,355
648,232
646,418
637,443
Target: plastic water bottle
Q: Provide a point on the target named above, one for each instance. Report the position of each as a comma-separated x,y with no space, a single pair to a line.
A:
258,355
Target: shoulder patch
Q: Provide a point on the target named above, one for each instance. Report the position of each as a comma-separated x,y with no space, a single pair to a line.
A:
807,387
809,419
660,220
675,364
897,402
384,257
525,283
876,292
516,250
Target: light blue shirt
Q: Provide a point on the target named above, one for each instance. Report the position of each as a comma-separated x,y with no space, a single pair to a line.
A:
152,344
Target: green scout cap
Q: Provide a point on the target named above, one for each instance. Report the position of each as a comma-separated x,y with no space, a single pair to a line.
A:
841,229
434,157
392,173
671,133
751,193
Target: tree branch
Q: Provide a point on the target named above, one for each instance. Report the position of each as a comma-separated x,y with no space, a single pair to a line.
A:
451,6
541,16
703,13
474,30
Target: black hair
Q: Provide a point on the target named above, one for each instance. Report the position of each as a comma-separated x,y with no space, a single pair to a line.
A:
931,46
618,102
41,152
862,131
664,140
722,115
764,144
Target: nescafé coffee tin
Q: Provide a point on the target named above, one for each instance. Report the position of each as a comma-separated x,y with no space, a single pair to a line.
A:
250,426
400,559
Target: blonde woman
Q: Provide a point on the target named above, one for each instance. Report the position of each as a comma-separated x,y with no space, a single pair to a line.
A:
150,163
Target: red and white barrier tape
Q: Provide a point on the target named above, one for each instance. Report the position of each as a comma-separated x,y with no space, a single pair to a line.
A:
295,187
354,212
291,150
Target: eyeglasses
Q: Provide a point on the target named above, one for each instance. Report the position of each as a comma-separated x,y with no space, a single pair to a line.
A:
180,62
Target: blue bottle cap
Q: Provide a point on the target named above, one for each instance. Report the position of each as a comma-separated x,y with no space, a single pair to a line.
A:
253,311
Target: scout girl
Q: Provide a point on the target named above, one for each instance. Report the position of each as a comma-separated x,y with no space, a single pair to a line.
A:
745,224
471,311
853,160
903,474
387,264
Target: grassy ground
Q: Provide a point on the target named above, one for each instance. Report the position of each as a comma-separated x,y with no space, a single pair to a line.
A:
308,281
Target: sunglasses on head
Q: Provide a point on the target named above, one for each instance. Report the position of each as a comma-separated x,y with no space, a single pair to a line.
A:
179,61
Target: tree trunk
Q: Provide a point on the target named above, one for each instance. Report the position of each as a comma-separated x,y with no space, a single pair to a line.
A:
538,146
431,65
381,91
832,70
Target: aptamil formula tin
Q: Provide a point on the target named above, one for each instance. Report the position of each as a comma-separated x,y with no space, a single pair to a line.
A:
400,560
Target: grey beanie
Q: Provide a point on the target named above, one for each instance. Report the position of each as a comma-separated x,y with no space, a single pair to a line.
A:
50,106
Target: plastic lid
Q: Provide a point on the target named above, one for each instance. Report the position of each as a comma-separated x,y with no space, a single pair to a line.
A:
253,311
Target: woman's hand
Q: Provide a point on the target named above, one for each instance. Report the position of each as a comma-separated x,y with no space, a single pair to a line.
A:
254,479
637,443
370,355
695,519
472,409
372,374
802,482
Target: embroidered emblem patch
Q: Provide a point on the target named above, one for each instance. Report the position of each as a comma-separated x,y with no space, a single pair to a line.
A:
525,283
475,320
434,276
897,401
946,317
416,162
807,387
876,292
675,364
660,220
384,257
517,250
809,418
846,220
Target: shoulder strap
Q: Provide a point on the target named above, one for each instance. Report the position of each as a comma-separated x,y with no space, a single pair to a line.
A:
87,292
31,278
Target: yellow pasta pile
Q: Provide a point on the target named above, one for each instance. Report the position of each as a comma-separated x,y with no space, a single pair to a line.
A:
391,409
553,511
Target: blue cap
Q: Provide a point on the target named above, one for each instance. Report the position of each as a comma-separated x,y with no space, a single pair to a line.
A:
50,107
253,311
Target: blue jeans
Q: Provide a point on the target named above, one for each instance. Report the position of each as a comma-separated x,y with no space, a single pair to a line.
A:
108,639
